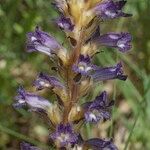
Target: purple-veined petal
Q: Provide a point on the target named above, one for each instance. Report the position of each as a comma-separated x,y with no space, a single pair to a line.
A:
42,42
121,41
108,9
33,101
64,135
100,144
65,23
109,73
27,146
45,81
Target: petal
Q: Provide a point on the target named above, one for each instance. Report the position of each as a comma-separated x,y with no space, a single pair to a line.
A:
100,144
27,146
100,101
109,73
120,4
93,117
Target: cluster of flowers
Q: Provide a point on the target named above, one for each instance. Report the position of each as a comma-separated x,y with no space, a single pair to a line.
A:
76,74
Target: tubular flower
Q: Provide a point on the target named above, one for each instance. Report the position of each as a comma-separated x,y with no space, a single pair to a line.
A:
46,81
44,43
33,101
83,66
109,9
108,73
75,73
26,146
98,109
64,135
65,23
121,41
41,41
99,144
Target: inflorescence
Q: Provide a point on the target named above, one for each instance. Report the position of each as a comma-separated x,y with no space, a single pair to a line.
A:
75,72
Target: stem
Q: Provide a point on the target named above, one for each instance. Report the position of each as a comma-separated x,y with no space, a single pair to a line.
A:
72,88
131,132
113,109
136,119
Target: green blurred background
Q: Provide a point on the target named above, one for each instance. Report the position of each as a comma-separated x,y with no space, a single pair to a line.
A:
131,116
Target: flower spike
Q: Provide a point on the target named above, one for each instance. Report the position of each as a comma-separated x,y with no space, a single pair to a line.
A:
76,75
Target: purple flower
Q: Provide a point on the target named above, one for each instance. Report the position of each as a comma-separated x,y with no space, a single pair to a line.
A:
108,73
65,23
100,144
83,65
109,9
98,109
33,101
121,41
64,135
42,42
27,146
46,81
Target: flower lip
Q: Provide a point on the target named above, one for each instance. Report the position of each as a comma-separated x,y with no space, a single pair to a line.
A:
64,135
